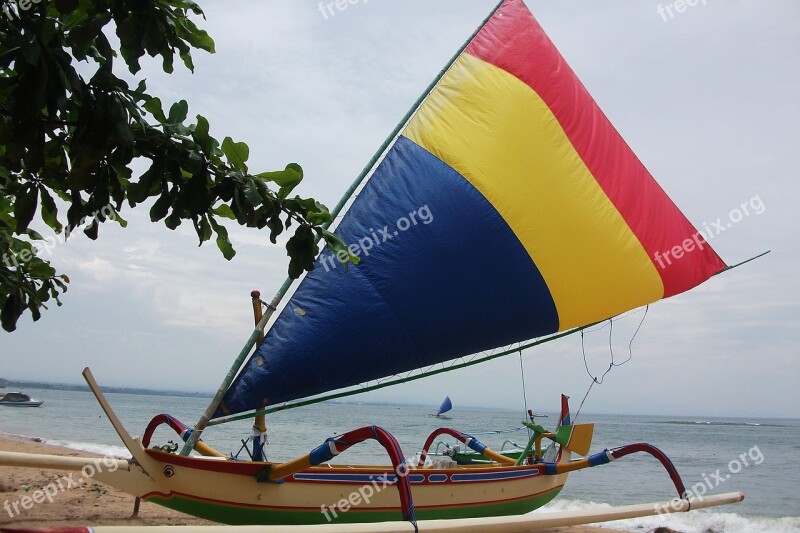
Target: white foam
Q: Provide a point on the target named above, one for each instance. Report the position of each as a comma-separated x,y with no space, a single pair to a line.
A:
99,449
703,521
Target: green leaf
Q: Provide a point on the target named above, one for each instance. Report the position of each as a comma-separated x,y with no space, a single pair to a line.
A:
196,37
161,207
41,269
237,153
206,227
201,136
338,247
251,192
33,234
153,106
224,211
25,207
223,242
50,211
92,229
302,250
178,112
275,228
12,310
66,6
287,178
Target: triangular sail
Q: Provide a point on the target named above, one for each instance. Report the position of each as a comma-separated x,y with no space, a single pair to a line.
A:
508,208
446,406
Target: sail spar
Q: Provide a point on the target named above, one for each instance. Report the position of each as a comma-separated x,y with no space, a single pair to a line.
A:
508,208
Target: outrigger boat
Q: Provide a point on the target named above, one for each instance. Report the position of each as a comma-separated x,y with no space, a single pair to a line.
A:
445,407
504,207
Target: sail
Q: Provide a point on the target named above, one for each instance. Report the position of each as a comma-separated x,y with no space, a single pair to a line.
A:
508,208
446,406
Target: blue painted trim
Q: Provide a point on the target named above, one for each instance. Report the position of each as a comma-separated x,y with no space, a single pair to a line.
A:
493,476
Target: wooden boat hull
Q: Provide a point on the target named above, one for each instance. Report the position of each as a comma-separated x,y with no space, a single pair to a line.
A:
228,491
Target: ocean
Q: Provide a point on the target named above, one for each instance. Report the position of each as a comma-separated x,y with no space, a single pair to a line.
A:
759,457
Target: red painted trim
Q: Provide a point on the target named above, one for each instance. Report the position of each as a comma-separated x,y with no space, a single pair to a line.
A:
242,468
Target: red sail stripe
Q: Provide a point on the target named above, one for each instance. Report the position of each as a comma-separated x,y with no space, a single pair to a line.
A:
513,41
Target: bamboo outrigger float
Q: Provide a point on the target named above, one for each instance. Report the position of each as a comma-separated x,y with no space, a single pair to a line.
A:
545,223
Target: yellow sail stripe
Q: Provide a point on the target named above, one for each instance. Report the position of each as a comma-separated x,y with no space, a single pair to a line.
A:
496,132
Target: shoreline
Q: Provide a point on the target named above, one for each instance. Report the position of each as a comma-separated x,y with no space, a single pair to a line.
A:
94,503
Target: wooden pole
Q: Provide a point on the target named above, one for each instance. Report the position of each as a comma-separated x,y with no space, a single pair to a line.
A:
496,524
260,422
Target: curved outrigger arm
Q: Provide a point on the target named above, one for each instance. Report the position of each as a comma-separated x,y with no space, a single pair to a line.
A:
183,431
333,446
469,441
606,456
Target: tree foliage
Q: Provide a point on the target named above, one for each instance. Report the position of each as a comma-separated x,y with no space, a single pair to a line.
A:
69,136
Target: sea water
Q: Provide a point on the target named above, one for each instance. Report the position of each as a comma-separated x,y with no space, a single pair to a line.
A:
759,457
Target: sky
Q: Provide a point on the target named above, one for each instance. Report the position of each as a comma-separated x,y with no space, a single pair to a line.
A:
706,97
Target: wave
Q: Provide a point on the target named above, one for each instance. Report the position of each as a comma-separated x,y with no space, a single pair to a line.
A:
703,521
708,423
89,447
99,449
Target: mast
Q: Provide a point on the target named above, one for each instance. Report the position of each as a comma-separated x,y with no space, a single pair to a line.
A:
259,329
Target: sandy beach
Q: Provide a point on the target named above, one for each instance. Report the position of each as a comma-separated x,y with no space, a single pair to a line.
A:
89,503
92,503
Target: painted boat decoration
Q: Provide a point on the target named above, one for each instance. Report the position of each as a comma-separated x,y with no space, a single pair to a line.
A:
505,166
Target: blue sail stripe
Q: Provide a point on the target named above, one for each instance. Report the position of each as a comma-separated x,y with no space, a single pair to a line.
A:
403,307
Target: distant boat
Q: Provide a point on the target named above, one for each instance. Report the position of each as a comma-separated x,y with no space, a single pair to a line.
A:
446,406
18,399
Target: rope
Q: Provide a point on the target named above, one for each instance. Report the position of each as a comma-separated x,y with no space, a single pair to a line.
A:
524,394
611,365
584,399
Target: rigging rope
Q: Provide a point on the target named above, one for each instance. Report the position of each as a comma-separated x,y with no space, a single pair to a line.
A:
611,365
524,394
